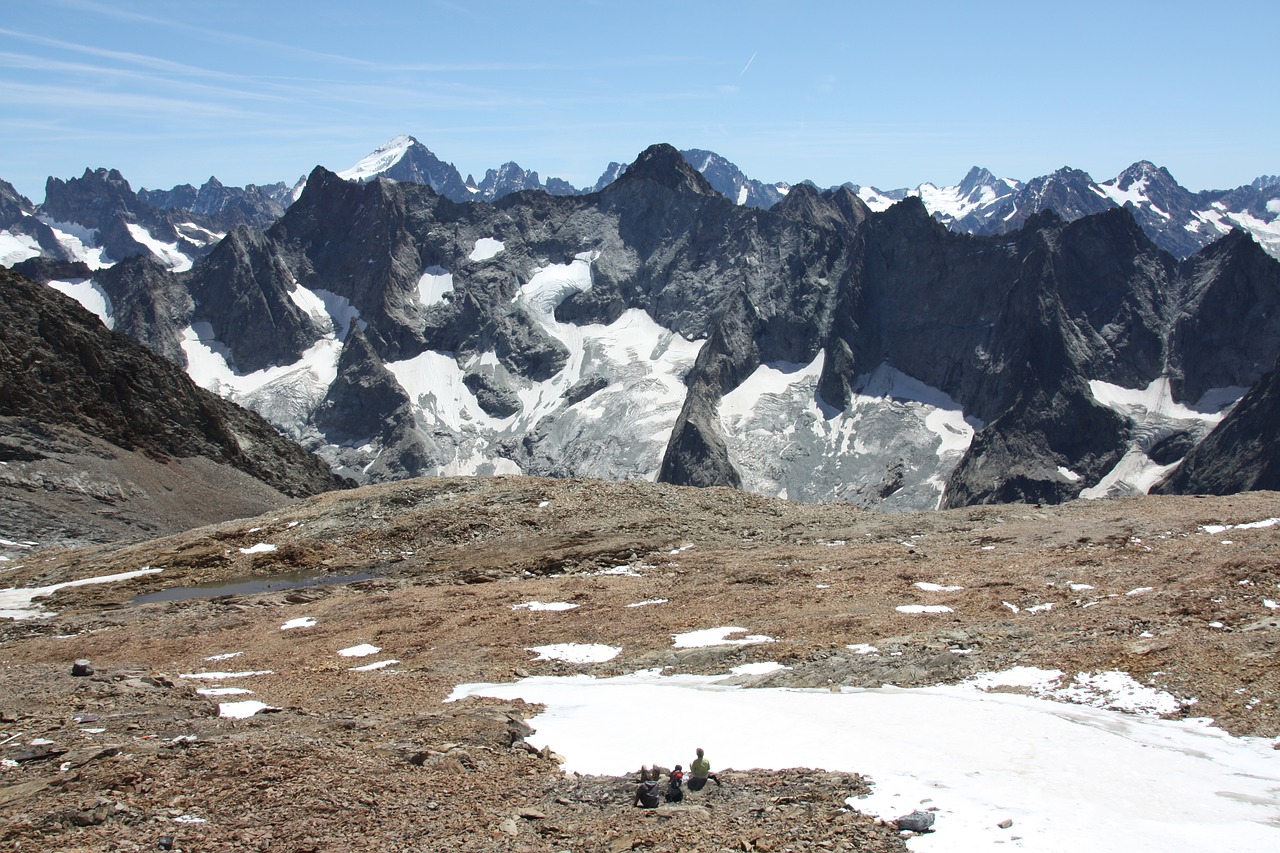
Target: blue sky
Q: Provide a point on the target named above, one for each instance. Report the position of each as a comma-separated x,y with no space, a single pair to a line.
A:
887,94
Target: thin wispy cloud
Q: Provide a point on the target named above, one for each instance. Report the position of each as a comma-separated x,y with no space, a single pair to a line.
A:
591,82
150,106
97,76
139,59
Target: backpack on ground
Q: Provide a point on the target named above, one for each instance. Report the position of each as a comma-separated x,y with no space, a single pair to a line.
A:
674,792
647,794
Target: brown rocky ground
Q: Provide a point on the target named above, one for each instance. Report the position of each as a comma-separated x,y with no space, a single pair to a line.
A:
374,760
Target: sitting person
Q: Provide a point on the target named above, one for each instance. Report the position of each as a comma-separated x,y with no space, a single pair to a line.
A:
647,792
700,772
674,792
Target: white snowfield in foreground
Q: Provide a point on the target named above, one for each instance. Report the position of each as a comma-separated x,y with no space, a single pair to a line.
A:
1070,777
20,603
1215,529
544,605
577,652
361,651
260,548
242,709
717,637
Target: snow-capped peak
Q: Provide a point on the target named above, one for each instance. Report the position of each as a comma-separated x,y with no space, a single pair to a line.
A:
979,190
380,160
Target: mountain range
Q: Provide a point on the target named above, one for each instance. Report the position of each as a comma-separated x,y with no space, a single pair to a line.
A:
990,342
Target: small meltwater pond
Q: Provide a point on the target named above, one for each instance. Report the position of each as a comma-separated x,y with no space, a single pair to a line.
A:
249,586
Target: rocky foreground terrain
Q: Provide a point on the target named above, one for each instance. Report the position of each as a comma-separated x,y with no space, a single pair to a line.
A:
132,757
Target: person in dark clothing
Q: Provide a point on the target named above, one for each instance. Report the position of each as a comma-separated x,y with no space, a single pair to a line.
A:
674,792
647,792
700,772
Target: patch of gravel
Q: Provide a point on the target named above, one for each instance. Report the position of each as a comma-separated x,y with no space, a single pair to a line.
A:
354,760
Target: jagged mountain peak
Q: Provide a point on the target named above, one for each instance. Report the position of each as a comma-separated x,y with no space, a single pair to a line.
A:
100,177
975,178
1236,245
13,201
611,173
839,206
319,180
663,164
508,178
1143,172
1068,173
110,176
381,159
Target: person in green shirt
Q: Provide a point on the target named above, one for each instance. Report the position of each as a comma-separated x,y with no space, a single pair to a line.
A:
700,772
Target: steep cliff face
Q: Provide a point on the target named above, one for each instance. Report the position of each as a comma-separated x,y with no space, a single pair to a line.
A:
1229,319
1241,454
249,299
149,305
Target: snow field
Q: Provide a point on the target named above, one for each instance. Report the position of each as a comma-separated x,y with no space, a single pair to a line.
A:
639,359
1135,472
775,416
19,603
167,253
380,160
90,296
1069,777
485,249
718,637
577,652
433,285
307,380
16,248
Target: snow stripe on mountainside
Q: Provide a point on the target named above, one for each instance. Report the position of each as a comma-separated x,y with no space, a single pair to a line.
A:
92,297
16,248
168,253
629,363
284,394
